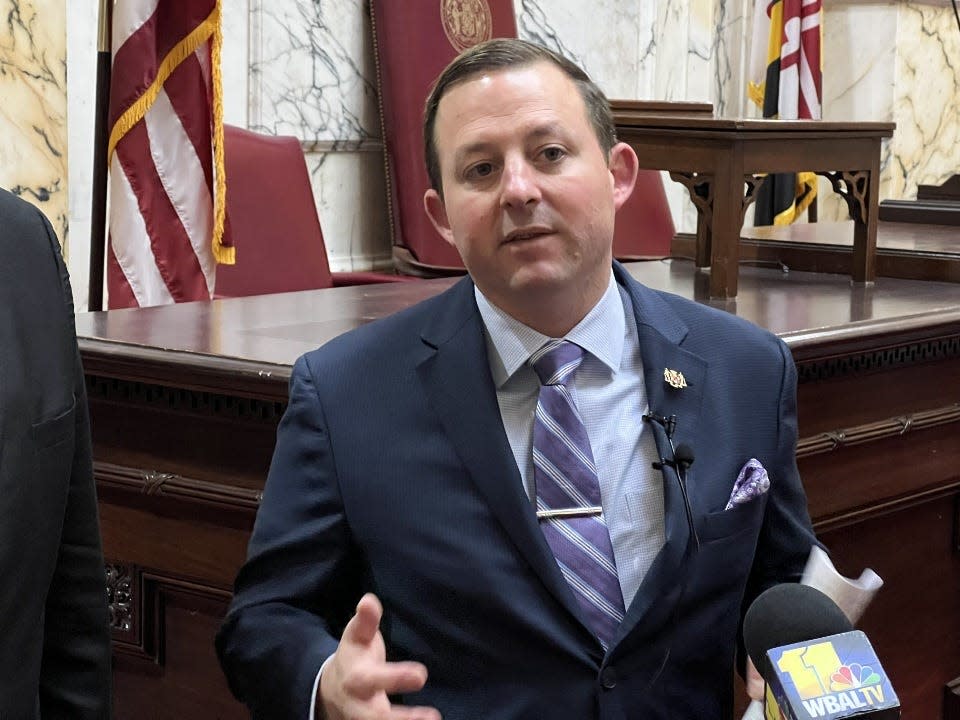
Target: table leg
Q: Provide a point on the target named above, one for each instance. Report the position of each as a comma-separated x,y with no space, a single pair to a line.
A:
727,221
700,188
861,190
701,258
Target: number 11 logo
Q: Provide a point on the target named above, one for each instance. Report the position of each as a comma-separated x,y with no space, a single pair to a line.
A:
810,668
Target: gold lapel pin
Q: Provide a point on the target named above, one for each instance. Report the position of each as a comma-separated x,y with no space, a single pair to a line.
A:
674,378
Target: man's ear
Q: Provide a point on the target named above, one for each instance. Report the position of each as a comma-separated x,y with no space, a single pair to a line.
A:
433,204
623,171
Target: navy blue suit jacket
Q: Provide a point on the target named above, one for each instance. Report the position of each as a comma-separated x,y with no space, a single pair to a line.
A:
54,626
392,473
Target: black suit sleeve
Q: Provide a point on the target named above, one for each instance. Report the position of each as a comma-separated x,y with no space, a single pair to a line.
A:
75,670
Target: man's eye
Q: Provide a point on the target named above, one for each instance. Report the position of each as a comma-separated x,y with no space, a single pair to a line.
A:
480,170
552,154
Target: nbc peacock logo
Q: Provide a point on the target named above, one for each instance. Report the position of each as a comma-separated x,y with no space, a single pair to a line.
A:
852,676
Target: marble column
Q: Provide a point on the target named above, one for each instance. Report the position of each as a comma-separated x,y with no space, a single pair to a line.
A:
312,76
925,148
33,106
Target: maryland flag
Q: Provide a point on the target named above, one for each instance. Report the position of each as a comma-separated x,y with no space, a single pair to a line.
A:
785,82
167,186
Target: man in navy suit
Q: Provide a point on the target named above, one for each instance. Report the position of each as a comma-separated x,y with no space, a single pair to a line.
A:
398,567
54,624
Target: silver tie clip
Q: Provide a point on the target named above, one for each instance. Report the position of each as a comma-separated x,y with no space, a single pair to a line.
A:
570,512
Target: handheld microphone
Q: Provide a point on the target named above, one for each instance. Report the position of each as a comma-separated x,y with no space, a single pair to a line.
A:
815,664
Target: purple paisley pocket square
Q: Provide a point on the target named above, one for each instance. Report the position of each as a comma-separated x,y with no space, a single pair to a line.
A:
751,482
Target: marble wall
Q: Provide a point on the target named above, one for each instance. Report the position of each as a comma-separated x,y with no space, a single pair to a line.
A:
33,105
906,70
926,100
305,68
312,76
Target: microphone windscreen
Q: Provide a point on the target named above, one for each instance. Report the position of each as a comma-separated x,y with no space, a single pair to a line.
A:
787,614
684,455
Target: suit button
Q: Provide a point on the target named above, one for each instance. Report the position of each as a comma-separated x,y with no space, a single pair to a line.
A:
608,678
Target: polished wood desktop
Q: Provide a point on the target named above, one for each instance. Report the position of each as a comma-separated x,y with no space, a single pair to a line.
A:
715,158
185,401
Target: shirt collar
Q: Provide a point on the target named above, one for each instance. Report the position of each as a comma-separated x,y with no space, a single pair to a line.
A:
511,343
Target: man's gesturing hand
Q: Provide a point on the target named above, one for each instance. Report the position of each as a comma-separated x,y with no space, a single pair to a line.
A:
755,683
355,683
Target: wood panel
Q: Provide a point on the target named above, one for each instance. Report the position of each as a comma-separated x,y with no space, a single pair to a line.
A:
914,622
174,675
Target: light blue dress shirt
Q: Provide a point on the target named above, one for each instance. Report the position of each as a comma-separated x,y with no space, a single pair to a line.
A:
611,398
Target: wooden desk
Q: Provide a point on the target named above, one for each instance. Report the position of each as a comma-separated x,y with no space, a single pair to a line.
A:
911,251
185,402
714,158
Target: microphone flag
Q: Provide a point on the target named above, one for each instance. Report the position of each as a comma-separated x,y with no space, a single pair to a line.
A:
829,678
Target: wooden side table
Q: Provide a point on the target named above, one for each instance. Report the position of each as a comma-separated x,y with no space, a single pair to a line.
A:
723,162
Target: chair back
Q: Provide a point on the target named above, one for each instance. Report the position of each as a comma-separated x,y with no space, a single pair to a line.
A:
413,42
272,218
644,225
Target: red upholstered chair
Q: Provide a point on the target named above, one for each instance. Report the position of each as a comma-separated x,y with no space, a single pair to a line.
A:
413,42
272,218
644,227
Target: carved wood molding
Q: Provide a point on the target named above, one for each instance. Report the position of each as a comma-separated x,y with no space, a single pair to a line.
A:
872,361
753,183
879,430
123,596
700,188
852,187
155,483
203,373
135,600
879,509
184,400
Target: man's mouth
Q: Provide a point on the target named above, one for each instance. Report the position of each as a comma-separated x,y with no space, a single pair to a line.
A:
527,233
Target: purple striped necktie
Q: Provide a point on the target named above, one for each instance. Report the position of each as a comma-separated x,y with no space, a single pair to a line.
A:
568,492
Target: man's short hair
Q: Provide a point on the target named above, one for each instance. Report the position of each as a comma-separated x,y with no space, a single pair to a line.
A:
499,54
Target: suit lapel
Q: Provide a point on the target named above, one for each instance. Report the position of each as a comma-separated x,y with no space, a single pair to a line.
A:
661,333
455,376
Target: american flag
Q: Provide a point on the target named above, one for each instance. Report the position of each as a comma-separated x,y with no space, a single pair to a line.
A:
166,153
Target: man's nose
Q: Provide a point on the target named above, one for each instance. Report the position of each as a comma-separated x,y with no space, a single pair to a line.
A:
520,186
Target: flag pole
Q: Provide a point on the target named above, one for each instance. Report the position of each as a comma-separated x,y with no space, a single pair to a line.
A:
98,214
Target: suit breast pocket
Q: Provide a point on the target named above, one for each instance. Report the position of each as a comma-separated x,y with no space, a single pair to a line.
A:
53,431
728,543
727,523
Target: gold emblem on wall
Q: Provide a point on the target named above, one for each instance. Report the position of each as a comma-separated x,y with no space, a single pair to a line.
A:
466,22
